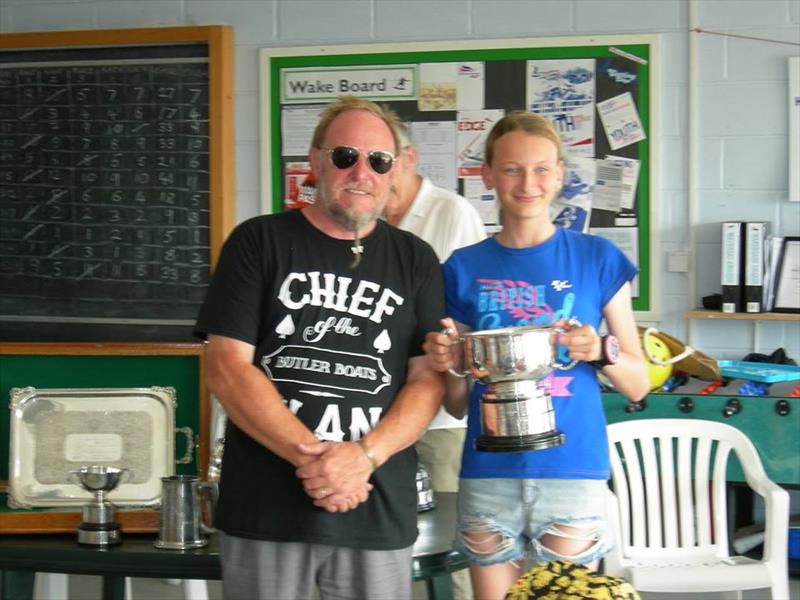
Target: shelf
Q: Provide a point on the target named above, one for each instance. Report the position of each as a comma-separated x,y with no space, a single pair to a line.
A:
701,313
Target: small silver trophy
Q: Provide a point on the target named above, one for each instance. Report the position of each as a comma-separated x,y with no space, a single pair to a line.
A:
425,498
99,526
514,363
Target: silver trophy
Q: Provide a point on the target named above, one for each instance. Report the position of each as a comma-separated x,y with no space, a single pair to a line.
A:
514,363
425,498
99,526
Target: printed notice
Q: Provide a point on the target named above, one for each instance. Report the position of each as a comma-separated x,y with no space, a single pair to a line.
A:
607,192
572,209
438,88
297,128
787,291
93,447
435,142
564,91
630,179
473,126
470,85
299,185
620,121
579,177
626,239
482,199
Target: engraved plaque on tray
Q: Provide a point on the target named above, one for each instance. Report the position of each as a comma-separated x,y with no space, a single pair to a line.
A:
55,431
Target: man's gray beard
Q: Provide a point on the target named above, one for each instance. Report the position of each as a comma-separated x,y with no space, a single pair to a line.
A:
346,218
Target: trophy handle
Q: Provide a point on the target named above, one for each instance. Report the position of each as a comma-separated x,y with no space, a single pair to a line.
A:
215,460
571,324
448,331
72,476
567,366
208,492
189,452
126,474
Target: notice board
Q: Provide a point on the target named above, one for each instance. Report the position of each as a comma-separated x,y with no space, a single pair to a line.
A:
116,180
599,92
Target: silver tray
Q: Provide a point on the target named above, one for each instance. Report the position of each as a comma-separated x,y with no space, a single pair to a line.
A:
55,431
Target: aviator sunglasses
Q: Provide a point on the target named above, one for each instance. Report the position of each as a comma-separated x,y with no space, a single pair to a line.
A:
344,157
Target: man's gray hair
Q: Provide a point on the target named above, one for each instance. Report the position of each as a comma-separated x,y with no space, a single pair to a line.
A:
346,103
403,137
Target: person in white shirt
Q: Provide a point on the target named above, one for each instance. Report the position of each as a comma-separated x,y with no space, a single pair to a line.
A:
442,218
446,221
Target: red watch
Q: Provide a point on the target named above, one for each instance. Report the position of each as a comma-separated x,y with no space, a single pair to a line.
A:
609,352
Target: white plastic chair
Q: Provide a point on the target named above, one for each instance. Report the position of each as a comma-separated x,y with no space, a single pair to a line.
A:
50,586
669,510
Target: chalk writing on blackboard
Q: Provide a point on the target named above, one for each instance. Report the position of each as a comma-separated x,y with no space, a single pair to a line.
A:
104,190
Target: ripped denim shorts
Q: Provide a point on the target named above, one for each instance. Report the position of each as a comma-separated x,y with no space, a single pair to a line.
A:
523,510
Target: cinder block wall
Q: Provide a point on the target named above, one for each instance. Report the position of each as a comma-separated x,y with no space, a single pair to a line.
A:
742,101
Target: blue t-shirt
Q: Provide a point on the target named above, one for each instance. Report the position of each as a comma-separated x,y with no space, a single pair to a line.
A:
572,274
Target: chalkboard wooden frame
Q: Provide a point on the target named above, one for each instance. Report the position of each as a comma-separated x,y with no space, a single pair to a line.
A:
219,41
643,52
63,520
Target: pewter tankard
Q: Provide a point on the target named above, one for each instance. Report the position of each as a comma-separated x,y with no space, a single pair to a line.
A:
187,506
514,363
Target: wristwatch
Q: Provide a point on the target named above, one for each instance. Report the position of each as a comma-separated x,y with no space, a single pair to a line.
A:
609,352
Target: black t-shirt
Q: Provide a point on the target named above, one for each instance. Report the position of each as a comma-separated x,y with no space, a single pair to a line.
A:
336,342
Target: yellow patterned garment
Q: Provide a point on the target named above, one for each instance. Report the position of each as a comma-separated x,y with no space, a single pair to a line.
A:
564,580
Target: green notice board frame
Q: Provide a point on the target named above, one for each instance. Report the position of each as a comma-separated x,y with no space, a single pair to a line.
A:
105,365
634,57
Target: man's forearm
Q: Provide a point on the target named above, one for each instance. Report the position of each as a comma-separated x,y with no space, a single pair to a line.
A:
254,404
410,414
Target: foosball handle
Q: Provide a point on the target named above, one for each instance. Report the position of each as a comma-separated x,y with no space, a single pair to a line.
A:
732,407
636,406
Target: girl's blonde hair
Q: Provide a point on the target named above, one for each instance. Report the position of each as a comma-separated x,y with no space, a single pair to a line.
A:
530,123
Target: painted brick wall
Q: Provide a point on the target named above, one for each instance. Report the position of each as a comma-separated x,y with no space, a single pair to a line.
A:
742,99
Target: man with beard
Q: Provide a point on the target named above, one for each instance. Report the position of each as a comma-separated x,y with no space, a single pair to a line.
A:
315,320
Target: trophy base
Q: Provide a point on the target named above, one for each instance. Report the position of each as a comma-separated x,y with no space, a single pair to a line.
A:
93,534
521,443
425,501
187,545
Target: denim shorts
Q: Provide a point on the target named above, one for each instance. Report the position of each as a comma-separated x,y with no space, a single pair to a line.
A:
522,510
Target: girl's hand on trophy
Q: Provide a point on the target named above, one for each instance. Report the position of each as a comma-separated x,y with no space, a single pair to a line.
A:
582,341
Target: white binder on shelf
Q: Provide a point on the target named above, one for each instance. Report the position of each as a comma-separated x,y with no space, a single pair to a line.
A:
732,256
754,266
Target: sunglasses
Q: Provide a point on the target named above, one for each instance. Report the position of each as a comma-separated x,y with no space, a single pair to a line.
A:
344,157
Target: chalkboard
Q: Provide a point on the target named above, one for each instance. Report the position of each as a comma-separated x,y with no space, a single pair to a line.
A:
114,196
598,91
